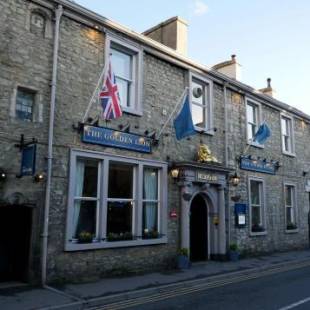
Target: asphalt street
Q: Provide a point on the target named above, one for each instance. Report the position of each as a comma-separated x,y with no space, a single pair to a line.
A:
281,291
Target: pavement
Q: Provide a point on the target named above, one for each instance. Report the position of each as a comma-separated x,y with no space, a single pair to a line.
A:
119,290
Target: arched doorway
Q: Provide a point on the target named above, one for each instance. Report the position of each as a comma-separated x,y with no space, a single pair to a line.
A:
198,229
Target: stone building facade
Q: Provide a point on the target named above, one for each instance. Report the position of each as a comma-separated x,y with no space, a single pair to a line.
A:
117,210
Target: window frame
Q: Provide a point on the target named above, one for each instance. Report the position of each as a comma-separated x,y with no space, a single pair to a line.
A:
295,206
292,136
263,206
208,85
250,101
104,159
135,101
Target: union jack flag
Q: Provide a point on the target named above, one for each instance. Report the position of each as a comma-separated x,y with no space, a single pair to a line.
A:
109,96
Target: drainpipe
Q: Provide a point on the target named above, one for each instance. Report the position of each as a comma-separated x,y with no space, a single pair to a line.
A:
227,212
58,13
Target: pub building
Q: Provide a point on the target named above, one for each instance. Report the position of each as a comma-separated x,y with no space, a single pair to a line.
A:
83,198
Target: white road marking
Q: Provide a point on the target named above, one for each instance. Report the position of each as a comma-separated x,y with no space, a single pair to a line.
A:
296,304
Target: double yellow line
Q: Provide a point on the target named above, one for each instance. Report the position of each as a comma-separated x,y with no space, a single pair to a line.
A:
187,288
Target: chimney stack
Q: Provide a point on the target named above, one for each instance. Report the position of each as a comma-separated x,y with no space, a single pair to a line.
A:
268,90
231,68
172,33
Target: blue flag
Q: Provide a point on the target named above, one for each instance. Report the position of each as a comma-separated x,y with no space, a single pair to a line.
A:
262,134
183,123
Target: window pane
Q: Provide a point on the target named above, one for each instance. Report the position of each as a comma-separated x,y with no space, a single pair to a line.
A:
24,104
119,219
255,195
288,195
120,181
121,64
256,216
84,220
198,115
198,93
150,184
289,216
150,220
86,179
123,89
250,110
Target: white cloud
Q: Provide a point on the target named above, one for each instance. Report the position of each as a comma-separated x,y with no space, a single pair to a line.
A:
200,8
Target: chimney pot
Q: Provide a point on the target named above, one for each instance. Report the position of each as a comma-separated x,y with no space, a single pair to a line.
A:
269,82
233,57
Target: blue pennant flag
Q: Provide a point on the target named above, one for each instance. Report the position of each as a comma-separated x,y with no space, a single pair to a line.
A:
262,134
183,123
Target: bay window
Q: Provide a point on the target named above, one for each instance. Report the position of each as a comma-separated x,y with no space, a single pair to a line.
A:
115,201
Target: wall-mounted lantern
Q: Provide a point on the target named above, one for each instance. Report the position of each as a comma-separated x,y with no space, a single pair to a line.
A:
39,177
2,175
174,173
235,179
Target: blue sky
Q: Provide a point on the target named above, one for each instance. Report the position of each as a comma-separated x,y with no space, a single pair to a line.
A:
270,38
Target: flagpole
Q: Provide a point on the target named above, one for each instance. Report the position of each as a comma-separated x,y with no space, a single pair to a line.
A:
94,93
171,114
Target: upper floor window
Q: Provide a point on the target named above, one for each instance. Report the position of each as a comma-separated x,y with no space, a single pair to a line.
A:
25,100
126,65
37,24
253,120
287,134
290,206
201,105
115,202
257,207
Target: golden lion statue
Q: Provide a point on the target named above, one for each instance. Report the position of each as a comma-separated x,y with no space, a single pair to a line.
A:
204,155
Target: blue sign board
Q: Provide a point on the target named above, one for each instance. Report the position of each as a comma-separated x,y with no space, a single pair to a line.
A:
115,138
257,165
240,208
28,162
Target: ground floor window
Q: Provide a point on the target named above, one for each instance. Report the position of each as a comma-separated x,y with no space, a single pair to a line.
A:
115,201
290,206
257,205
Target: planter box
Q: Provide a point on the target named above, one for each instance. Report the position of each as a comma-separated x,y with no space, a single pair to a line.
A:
183,262
233,256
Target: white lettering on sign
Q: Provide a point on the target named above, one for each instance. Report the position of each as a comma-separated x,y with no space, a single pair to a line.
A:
206,177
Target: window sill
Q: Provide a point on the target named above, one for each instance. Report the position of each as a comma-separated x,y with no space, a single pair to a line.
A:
69,246
260,146
288,154
291,231
132,111
259,233
210,132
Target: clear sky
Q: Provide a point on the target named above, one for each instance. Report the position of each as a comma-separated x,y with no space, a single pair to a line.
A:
270,38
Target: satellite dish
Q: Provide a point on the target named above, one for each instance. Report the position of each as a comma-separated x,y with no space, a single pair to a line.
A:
197,92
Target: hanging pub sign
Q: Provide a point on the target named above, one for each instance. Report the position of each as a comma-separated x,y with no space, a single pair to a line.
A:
28,162
116,138
258,165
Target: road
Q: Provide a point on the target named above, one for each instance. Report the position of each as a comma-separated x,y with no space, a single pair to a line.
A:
281,291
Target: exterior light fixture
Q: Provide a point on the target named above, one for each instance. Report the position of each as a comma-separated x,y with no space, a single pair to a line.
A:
235,179
2,175
174,173
39,177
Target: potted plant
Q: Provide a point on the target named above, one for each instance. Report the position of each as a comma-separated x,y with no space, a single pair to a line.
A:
150,234
233,252
85,237
291,226
120,236
257,228
183,259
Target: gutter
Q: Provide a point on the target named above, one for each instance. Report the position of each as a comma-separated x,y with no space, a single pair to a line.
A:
58,13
